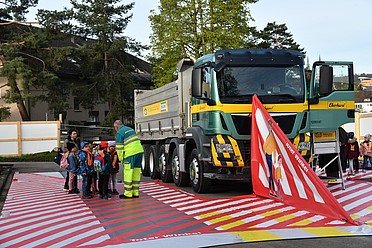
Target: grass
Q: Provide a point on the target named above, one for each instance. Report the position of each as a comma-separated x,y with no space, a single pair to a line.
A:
38,157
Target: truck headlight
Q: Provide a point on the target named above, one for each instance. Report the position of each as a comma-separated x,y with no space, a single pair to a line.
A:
221,148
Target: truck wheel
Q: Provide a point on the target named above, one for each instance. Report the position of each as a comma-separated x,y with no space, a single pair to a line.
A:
145,160
165,174
153,163
180,178
199,183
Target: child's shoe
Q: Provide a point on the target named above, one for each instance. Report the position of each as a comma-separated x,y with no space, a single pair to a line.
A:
115,192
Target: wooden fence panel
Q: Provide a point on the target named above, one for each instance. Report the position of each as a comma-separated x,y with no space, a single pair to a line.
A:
17,138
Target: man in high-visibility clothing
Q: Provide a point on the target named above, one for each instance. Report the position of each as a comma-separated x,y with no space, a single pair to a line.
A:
130,151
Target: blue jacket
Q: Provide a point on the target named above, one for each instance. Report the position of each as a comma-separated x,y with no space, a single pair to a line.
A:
73,164
84,168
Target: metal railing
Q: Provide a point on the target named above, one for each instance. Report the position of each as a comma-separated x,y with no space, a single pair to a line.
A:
88,133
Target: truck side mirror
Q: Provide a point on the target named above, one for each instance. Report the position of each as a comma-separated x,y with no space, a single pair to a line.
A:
326,80
196,83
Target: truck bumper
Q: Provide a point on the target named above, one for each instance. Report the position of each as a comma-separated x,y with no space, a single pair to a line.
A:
229,177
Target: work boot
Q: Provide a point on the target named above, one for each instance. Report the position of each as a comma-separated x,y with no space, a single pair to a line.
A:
124,197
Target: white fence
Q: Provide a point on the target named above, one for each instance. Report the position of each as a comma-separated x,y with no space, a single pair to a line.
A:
17,138
361,126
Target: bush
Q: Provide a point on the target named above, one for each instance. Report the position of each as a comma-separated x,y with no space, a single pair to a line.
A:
38,157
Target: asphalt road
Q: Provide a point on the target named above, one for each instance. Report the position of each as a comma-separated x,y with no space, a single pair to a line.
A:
338,242
229,189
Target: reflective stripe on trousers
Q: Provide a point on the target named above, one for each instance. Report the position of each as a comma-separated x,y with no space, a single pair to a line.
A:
132,178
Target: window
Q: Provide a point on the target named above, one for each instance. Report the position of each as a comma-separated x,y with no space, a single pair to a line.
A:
76,104
276,84
341,79
93,116
206,84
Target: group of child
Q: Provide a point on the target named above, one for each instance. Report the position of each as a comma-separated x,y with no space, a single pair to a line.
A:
353,151
100,162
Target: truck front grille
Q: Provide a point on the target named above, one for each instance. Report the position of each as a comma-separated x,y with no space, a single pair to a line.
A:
243,124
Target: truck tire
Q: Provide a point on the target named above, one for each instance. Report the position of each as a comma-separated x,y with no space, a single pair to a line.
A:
145,169
199,183
180,178
153,162
165,172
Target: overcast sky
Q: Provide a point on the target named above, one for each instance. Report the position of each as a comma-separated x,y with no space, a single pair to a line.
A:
332,29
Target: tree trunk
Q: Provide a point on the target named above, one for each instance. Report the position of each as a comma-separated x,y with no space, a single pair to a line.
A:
21,105
23,111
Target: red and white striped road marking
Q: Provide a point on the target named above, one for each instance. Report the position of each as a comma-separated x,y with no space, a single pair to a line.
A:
356,199
41,214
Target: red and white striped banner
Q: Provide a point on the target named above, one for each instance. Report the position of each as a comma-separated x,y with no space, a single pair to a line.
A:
279,171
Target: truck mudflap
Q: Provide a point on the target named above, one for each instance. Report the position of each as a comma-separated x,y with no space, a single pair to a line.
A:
303,144
226,152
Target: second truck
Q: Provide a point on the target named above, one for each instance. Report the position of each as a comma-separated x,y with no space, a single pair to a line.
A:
197,128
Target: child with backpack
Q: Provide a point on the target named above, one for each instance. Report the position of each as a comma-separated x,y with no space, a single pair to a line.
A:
71,138
366,151
115,163
351,152
72,166
103,166
86,168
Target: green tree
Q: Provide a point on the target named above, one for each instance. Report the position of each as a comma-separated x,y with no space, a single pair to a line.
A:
15,9
18,42
276,36
4,113
193,28
102,56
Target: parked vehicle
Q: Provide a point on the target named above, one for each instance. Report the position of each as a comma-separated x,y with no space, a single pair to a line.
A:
197,128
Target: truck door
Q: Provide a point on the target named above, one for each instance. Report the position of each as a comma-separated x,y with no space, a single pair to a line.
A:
331,96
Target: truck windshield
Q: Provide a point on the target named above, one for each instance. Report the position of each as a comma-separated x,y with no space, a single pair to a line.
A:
271,84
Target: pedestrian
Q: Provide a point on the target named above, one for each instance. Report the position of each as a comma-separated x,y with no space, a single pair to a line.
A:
129,150
71,138
351,152
86,169
308,77
94,175
103,166
366,151
115,163
73,166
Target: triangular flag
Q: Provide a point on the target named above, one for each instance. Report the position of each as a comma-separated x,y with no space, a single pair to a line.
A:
280,172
